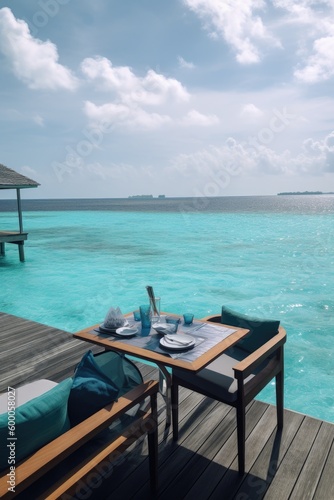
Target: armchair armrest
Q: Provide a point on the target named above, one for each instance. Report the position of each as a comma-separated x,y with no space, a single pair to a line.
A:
40,462
247,365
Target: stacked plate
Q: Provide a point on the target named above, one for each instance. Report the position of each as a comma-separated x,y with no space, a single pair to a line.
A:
124,331
104,329
177,342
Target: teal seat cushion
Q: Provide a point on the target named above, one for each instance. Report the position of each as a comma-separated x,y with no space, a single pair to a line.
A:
37,422
261,330
92,389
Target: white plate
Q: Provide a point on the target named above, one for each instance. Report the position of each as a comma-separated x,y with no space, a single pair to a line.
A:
126,331
176,345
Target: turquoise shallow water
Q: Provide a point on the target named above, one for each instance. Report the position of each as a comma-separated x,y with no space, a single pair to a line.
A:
276,264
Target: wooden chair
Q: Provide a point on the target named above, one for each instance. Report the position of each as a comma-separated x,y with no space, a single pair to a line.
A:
236,377
33,470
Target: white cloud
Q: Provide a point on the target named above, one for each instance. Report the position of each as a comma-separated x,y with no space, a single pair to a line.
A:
152,89
134,96
251,112
299,10
320,65
194,117
237,23
32,61
117,114
239,158
316,13
321,151
29,172
38,119
316,42
185,64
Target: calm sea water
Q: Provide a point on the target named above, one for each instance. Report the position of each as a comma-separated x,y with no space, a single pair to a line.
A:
269,256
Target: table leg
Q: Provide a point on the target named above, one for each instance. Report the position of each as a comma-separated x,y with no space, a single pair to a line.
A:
165,389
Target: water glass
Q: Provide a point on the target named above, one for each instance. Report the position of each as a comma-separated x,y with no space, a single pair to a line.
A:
136,315
145,316
173,322
188,318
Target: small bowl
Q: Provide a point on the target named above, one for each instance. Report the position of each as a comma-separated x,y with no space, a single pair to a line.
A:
163,328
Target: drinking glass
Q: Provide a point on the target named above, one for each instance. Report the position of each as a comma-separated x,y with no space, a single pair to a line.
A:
154,315
188,318
174,322
136,315
145,316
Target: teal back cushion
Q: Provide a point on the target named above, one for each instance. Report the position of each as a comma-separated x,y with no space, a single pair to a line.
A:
260,330
98,381
91,390
37,422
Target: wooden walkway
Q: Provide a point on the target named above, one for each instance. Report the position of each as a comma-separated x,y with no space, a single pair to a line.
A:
296,465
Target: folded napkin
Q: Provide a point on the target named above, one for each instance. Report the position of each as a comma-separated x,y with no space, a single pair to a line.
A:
175,339
114,318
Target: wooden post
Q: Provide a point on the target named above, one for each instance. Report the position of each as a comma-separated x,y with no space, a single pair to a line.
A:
19,209
21,250
2,249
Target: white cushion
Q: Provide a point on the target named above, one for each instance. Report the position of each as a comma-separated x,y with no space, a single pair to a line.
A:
26,392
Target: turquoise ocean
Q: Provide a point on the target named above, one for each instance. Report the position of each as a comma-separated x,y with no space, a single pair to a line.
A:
267,256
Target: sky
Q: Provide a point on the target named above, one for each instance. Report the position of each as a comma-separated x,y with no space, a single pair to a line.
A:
117,98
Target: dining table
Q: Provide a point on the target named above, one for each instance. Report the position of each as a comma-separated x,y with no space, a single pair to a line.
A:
208,341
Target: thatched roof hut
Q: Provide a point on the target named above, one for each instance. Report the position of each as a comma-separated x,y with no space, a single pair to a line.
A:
9,179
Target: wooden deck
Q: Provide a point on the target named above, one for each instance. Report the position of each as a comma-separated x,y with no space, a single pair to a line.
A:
298,464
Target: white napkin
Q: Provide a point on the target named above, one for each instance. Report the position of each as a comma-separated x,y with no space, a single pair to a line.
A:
114,318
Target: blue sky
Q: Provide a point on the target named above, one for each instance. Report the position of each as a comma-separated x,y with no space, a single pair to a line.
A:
179,97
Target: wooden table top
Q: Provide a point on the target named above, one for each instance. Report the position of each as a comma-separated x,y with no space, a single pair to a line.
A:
91,335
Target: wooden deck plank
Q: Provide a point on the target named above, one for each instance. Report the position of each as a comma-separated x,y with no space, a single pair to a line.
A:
230,481
325,487
294,460
31,350
308,479
216,431
297,463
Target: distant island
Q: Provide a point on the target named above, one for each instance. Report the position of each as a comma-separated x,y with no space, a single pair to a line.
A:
146,196
303,192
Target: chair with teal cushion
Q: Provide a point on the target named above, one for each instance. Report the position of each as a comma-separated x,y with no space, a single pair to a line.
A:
69,432
238,375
